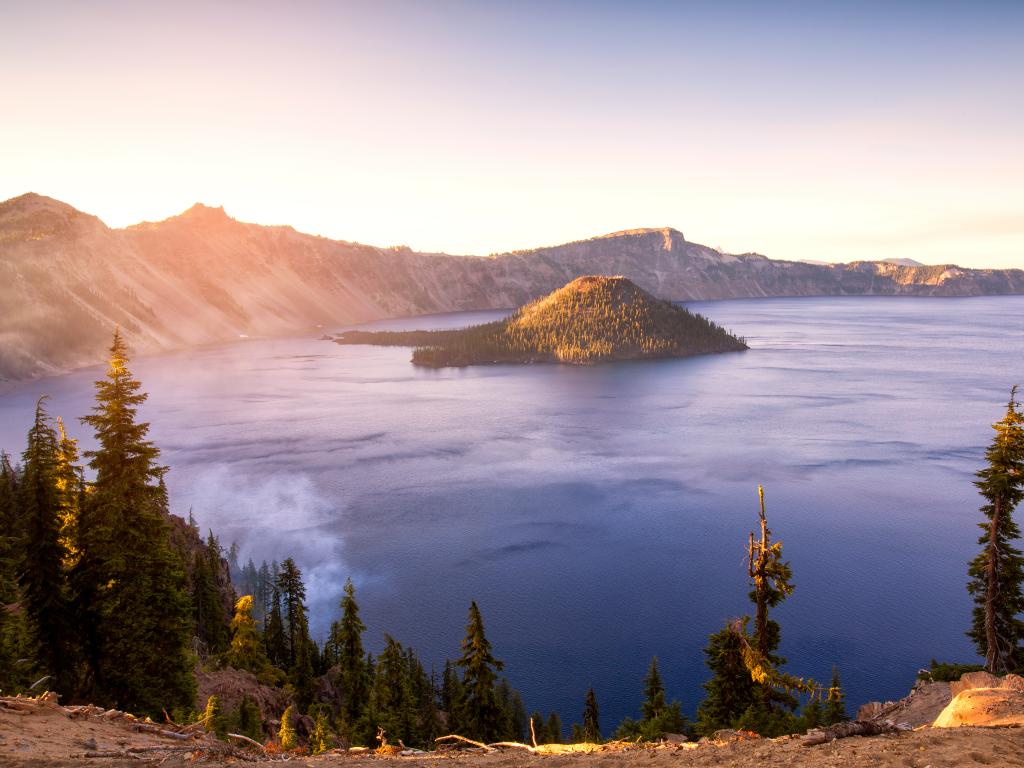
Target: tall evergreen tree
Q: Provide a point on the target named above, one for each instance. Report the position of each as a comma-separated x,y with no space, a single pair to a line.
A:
129,582
293,596
731,690
71,489
555,728
591,730
211,624
835,705
346,642
658,716
771,578
8,571
274,636
481,715
997,573
302,673
540,729
42,579
246,651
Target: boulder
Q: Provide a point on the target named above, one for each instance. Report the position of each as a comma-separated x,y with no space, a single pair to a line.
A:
983,707
973,680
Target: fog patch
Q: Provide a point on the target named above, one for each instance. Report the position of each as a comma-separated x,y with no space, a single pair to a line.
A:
272,517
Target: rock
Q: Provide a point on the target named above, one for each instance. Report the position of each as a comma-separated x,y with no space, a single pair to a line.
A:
728,736
675,738
920,707
871,710
1014,682
974,680
983,707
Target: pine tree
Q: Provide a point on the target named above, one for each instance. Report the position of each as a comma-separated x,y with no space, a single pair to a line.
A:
730,691
347,639
540,730
246,651
293,595
8,573
835,705
392,701
591,730
42,579
214,719
481,716
71,489
274,636
997,573
770,576
301,675
658,716
554,728
813,715
320,740
654,693
248,719
129,583
452,696
286,737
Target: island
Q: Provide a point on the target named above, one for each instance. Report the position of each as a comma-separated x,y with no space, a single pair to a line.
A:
592,319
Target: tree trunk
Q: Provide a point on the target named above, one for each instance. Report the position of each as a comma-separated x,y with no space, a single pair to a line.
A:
993,658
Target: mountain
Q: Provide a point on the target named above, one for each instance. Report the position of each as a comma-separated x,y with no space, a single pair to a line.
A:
592,319
66,280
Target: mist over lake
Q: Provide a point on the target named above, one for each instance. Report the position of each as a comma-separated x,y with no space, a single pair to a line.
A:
599,515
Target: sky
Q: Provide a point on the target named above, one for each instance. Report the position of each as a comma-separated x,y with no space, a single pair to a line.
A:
816,130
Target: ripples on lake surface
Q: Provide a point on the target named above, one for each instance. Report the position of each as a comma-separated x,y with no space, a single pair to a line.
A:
599,515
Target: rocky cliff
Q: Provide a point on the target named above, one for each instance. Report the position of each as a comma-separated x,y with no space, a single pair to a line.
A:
66,280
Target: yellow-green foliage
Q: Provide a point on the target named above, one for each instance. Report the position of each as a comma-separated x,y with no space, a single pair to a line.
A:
286,736
214,719
592,319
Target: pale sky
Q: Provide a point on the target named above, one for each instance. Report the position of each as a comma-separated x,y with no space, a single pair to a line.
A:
808,130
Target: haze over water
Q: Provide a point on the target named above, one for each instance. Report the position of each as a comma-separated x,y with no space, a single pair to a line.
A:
599,515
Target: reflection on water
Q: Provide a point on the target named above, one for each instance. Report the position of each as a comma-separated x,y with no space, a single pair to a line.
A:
599,515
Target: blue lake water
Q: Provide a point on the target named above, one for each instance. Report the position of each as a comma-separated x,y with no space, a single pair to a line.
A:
599,515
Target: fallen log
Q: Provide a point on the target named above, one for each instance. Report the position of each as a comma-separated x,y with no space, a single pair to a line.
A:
247,740
464,740
512,745
845,730
146,728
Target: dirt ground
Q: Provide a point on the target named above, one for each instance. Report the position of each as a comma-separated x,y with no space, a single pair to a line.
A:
47,737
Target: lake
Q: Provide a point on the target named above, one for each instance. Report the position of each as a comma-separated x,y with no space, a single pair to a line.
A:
599,515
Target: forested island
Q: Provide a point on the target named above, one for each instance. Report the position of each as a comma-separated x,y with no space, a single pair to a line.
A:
592,319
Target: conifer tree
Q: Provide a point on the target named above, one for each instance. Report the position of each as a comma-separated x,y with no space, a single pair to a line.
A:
129,583
214,719
248,719
8,573
835,705
730,691
286,737
591,730
273,636
207,606
301,674
554,728
42,579
347,640
293,595
997,573
813,715
770,576
452,696
392,701
320,740
481,716
658,716
246,651
71,489
540,729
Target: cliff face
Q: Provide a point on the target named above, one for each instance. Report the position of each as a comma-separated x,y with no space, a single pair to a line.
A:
66,280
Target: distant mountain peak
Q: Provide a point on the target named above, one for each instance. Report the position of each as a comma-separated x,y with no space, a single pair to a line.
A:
33,202
669,235
203,211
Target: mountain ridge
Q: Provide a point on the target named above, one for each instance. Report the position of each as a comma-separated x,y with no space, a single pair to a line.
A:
204,277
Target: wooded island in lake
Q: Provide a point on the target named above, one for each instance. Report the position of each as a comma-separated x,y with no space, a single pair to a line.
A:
590,320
